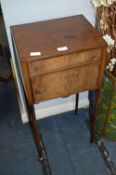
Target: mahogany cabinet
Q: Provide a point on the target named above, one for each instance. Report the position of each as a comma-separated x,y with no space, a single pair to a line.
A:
58,58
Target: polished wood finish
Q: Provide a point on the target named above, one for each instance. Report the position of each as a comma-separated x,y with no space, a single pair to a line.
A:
65,82
74,32
55,73
66,61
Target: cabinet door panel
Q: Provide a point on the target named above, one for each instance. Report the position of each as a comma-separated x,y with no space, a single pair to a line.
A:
64,83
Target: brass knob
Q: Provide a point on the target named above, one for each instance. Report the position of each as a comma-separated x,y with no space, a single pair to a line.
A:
37,92
94,57
36,69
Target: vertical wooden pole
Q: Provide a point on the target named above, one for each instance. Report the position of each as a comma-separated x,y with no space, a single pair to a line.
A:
76,103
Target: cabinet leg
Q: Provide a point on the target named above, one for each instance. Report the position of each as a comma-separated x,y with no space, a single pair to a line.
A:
76,103
94,118
38,140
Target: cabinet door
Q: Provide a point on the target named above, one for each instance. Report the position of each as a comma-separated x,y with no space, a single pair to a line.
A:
65,82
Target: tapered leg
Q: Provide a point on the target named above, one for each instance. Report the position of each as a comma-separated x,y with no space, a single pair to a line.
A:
38,139
76,103
94,117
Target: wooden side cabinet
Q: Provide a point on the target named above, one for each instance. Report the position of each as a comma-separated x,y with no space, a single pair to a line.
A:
58,58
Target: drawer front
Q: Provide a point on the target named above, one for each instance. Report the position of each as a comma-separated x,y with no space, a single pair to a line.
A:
64,83
56,63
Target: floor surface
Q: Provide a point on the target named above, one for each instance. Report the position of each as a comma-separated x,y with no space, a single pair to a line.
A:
66,137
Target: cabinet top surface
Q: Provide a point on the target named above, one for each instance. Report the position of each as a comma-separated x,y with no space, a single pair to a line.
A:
73,34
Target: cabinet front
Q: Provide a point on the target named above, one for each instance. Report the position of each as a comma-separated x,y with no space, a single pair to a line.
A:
42,66
65,82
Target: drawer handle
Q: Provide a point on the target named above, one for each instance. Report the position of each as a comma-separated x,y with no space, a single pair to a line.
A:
37,92
60,49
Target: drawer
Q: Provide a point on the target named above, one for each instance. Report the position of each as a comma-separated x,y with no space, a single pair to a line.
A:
65,82
56,63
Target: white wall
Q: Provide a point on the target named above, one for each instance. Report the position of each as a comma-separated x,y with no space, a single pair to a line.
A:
24,11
